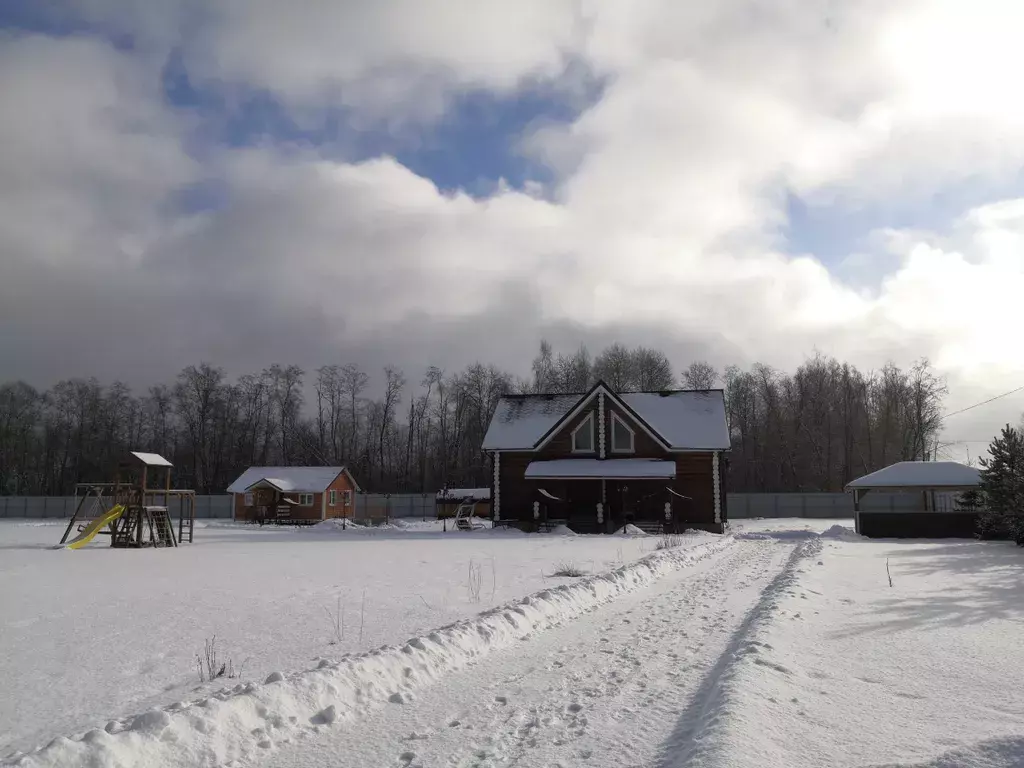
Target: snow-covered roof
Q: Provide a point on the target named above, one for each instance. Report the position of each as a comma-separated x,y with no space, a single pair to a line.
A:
521,421
613,469
288,479
685,419
920,474
465,493
152,459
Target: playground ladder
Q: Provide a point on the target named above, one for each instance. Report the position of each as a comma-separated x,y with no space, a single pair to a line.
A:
186,526
124,533
160,524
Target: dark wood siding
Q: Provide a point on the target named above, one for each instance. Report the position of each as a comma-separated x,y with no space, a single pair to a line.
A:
694,478
516,492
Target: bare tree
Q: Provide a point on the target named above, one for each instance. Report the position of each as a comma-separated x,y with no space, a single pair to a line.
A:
700,375
394,382
652,370
614,366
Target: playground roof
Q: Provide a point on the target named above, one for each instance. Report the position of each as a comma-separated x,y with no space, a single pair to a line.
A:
152,459
290,479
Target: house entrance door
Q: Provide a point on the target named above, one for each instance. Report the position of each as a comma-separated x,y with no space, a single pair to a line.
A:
583,497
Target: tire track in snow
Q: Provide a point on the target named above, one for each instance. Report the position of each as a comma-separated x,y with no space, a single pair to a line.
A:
695,742
607,689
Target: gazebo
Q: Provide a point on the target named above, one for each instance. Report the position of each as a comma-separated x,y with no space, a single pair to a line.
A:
934,483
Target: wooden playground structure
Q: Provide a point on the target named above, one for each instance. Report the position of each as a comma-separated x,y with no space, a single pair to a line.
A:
139,515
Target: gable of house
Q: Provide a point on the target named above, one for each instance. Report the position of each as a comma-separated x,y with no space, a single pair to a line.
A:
681,420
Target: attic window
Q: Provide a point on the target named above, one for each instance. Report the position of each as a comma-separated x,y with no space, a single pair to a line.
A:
622,436
583,436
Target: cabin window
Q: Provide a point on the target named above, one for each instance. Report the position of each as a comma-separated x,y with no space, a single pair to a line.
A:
332,498
305,499
248,499
346,498
583,436
622,436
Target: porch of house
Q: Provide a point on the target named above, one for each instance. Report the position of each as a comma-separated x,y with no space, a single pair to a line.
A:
271,504
595,496
604,506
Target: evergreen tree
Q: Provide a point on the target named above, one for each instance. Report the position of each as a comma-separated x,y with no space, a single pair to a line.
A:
1002,483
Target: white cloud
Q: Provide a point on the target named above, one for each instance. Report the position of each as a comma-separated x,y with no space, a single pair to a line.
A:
89,152
393,59
666,213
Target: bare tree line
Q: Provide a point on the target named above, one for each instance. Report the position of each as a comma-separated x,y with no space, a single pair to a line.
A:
814,429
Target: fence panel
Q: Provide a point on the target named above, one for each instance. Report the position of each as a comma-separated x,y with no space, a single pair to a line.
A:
378,507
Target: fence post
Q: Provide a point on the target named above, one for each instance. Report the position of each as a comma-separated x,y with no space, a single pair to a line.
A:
803,505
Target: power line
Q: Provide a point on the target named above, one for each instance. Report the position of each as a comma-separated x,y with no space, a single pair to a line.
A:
983,402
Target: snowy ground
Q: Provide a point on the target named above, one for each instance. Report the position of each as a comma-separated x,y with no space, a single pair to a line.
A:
772,646
97,633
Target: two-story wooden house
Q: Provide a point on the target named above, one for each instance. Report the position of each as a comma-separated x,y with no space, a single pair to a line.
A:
600,460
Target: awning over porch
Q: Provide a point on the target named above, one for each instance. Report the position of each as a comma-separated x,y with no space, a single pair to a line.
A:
282,486
597,469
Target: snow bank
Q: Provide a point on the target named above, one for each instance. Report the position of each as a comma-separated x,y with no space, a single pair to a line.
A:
797,534
839,532
235,723
631,530
562,530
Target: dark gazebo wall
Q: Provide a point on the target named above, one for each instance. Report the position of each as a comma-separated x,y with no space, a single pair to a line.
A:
910,525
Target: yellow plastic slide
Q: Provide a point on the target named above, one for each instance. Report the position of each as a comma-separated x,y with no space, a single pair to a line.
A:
94,527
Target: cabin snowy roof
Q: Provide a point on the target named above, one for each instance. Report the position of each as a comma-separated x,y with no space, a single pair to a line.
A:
685,419
288,479
920,474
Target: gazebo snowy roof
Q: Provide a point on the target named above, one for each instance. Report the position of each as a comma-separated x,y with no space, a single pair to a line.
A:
919,475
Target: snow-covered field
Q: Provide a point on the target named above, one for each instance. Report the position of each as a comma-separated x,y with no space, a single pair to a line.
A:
97,633
782,644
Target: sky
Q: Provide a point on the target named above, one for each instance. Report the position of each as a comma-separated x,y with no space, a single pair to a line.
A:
432,183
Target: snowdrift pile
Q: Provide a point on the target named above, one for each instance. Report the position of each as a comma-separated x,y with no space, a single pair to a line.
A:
630,530
235,723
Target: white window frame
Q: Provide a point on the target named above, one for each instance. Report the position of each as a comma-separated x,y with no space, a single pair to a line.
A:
346,498
248,499
617,420
332,498
306,499
587,422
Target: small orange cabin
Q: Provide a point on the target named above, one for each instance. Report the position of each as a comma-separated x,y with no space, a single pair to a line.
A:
293,494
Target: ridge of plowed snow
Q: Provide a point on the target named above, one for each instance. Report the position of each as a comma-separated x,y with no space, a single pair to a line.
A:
234,723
